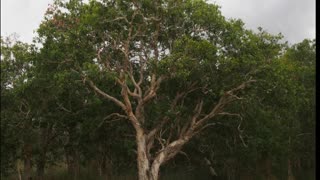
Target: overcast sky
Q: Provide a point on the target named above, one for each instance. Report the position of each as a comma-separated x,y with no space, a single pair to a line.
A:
295,19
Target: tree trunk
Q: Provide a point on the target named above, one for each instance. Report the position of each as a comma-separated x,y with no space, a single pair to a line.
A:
93,166
231,168
19,169
213,173
106,167
154,175
74,167
40,167
43,146
72,162
268,167
104,162
27,162
290,174
142,159
147,172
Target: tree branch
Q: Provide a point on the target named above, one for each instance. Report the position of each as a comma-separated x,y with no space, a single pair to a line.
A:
105,95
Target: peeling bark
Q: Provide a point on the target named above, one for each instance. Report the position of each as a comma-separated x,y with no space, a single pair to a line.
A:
149,164
142,159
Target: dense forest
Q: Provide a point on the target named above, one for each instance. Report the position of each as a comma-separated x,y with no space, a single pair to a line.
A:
148,90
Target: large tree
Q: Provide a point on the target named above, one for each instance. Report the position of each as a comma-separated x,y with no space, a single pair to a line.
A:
165,58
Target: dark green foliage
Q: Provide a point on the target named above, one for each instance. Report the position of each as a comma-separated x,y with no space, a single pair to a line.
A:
47,105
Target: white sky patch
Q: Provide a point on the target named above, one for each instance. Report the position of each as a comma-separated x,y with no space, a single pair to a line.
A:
295,19
22,17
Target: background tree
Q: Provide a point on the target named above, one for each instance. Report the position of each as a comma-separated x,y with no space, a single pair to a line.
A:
116,81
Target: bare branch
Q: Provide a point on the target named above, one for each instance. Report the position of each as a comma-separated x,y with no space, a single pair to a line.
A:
105,95
63,108
243,143
161,141
197,110
100,92
136,85
303,134
142,66
185,154
26,105
106,62
230,114
151,92
204,127
119,18
115,114
170,135
179,96
241,86
157,128
225,99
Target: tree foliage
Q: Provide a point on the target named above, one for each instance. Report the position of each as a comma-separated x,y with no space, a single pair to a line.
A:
150,84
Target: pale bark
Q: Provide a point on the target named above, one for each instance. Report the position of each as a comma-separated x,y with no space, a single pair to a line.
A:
149,164
211,169
19,169
142,159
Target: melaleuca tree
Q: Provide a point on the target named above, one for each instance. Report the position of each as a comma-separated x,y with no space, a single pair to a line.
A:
301,131
271,137
176,65
17,60
276,113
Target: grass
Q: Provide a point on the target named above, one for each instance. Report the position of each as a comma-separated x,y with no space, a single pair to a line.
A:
60,173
